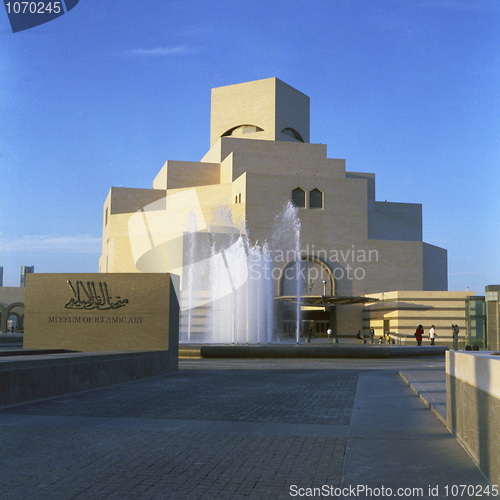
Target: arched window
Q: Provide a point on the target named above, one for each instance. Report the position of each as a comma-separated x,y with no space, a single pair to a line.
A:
239,198
315,199
236,199
299,197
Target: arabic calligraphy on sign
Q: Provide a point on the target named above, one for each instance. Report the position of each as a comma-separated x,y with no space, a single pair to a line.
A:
92,296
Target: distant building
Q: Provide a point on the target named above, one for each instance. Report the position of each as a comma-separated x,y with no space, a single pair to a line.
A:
476,321
24,271
352,247
492,297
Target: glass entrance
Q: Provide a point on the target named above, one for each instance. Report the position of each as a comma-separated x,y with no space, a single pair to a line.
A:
320,328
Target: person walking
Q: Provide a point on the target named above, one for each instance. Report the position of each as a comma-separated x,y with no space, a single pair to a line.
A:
432,335
419,333
329,332
456,331
372,334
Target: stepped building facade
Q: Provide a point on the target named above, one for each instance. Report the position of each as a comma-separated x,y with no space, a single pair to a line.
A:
352,248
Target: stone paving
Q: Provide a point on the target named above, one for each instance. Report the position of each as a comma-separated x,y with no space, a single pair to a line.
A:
178,436
284,396
216,430
84,463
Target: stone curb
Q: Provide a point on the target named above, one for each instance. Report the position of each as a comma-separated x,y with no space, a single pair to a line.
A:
422,397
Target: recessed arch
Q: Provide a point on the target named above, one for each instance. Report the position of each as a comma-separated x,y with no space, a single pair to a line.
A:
291,132
313,273
242,129
7,310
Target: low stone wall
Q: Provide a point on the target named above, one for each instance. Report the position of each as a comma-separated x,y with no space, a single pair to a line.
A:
473,407
33,377
308,351
11,338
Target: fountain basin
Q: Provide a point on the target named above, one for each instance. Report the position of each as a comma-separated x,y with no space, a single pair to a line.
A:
362,351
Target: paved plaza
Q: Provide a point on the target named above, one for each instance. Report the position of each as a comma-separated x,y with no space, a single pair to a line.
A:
240,429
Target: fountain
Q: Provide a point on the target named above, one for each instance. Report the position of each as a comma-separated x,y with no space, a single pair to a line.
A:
227,287
226,284
190,273
286,238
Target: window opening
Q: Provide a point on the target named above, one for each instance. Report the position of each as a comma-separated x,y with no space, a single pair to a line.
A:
315,199
299,197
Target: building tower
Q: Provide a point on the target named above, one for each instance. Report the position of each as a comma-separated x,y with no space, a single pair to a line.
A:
24,271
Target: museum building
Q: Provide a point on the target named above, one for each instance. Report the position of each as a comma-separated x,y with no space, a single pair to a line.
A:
362,262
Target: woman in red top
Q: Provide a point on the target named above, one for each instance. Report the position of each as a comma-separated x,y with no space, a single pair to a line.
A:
418,334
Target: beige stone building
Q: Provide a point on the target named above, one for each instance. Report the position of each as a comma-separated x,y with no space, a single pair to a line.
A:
402,311
260,158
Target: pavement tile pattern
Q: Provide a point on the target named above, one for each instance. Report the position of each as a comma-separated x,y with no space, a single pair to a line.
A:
238,429
110,464
284,396
67,448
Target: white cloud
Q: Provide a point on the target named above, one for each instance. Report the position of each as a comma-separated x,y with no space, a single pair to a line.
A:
52,244
160,51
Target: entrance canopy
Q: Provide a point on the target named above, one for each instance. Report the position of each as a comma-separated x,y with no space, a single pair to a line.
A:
324,301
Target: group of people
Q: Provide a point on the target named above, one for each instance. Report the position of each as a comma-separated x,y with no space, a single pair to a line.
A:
385,338
419,333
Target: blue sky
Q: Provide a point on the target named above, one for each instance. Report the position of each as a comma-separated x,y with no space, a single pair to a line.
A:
104,95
